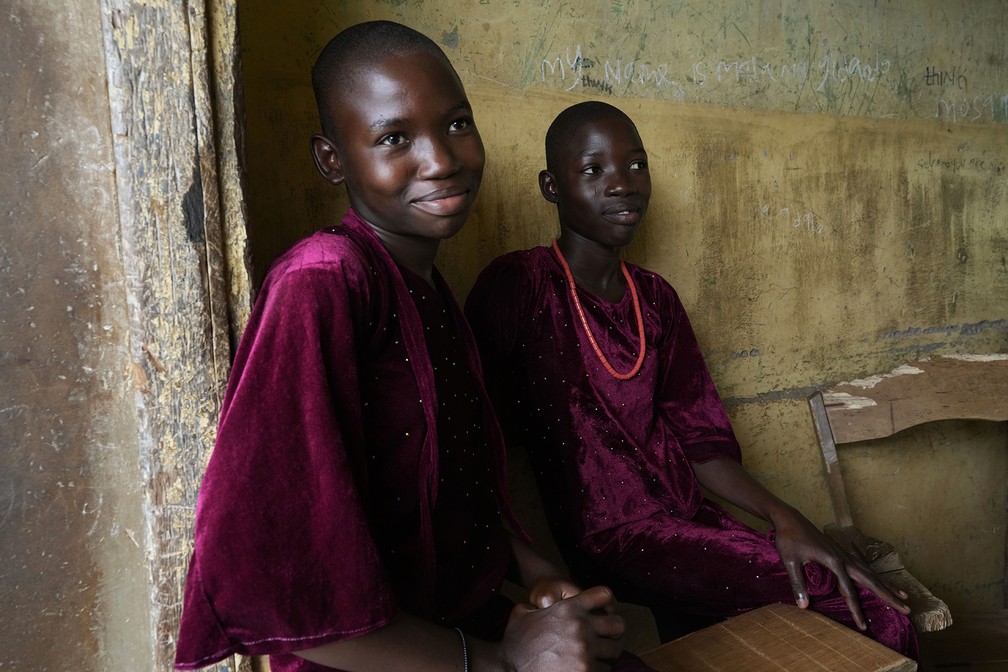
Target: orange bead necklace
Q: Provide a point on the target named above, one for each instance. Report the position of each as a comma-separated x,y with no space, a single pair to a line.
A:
584,322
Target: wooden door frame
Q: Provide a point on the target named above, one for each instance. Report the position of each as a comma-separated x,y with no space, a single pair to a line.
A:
173,85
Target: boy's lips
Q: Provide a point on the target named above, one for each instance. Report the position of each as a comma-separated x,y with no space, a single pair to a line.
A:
443,202
622,213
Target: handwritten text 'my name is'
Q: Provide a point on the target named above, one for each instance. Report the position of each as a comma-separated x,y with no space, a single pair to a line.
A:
574,69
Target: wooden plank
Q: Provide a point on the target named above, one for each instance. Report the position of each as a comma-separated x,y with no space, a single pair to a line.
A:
172,240
939,388
777,638
831,462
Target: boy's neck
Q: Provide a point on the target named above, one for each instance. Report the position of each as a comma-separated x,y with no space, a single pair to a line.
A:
412,252
596,268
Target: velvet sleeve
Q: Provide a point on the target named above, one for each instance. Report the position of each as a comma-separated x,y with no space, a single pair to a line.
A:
499,305
686,396
284,559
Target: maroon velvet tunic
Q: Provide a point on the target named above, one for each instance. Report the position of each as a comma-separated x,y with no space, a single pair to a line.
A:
355,469
613,458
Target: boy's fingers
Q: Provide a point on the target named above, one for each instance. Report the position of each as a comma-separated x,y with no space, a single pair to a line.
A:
607,649
610,626
547,592
518,611
544,601
596,597
895,597
851,597
796,574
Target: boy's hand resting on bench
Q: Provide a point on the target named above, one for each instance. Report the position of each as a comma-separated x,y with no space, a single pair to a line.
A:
798,542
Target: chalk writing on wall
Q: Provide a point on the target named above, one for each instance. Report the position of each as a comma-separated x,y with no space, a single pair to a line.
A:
951,78
973,109
832,67
933,162
842,82
835,60
968,329
573,69
796,218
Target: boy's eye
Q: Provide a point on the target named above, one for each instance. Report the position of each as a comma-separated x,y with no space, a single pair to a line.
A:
392,139
590,170
460,124
639,165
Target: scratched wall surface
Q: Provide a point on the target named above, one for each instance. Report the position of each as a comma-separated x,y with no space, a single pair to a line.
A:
113,319
829,199
73,582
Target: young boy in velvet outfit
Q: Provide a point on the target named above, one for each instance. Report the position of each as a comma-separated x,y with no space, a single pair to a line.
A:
350,515
595,369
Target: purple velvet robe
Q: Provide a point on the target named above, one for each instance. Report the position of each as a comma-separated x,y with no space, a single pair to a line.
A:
613,458
325,509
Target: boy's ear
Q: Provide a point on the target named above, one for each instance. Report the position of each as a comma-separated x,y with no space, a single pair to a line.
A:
548,187
327,159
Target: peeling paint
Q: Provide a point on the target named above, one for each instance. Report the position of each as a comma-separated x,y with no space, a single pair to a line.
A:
872,381
979,358
847,400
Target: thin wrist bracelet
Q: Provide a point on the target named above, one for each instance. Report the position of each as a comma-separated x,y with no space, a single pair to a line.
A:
465,650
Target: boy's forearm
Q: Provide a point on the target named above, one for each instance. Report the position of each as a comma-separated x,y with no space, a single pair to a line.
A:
731,482
531,565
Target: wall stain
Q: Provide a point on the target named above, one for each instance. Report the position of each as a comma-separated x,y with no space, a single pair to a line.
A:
193,214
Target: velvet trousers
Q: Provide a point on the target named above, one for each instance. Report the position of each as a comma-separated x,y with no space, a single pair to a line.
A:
713,565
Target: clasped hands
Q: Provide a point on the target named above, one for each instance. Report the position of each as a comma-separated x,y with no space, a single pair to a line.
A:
563,628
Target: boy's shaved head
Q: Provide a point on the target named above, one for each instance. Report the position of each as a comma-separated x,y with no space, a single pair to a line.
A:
568,121
344,61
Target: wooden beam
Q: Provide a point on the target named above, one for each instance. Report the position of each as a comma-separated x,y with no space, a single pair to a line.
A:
168,160
831,462
939,388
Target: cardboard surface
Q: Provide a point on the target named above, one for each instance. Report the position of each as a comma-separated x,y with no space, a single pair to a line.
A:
777,638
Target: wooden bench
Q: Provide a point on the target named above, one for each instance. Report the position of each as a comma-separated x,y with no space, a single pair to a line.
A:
933,389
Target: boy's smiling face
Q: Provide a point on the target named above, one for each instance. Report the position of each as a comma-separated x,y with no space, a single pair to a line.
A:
600,183
407,147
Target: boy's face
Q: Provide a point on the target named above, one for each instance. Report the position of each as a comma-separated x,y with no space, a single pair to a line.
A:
601,184
407,147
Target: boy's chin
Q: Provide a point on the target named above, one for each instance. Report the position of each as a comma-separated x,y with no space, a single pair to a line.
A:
440,228
424,227
449,229
618,237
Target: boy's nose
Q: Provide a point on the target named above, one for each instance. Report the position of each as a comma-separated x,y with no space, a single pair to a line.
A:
438,159
619,184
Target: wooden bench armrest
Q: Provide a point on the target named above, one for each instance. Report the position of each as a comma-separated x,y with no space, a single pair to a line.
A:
879,554
927,612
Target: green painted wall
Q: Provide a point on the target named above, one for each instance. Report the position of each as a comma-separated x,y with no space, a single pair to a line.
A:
830,199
